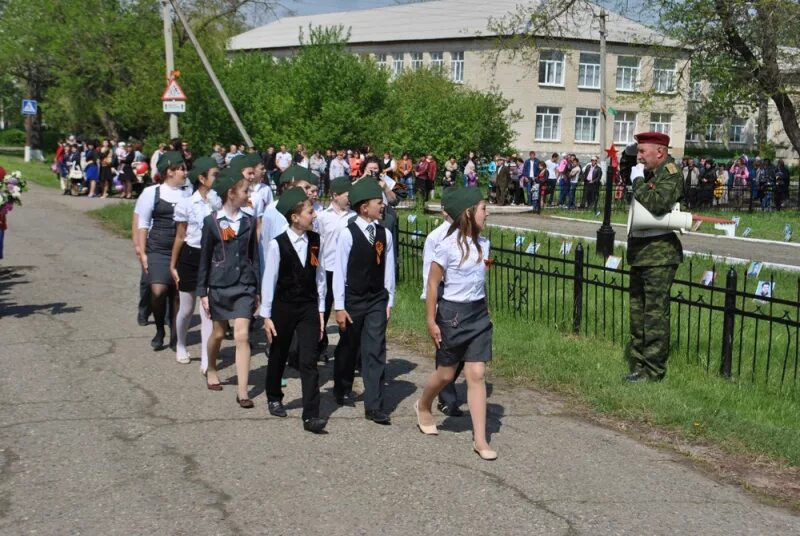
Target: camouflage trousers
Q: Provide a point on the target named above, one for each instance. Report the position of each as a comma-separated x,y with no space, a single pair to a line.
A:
648,349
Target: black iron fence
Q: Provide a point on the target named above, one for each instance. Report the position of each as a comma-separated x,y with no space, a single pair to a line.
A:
728,323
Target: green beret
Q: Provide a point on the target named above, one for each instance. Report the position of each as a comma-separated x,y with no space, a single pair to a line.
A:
364,190
201,167
245,161
340,185
460,200
225,180
298,173
170,158
289,200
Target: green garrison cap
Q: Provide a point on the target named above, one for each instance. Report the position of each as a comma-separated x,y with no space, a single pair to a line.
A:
364,190
340,185
225,180
460,200
245,161
298,173
170,158
201,167
289,200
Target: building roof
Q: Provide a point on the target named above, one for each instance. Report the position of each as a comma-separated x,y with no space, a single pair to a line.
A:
438,20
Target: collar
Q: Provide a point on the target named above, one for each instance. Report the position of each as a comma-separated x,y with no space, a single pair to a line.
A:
362,223
196,197
294,237
236,217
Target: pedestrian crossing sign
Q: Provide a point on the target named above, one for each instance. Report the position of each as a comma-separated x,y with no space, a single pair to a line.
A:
29,107
173,92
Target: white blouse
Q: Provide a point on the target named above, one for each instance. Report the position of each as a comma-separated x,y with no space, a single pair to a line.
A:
463,282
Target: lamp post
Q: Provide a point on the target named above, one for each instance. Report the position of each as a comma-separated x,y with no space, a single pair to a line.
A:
605,234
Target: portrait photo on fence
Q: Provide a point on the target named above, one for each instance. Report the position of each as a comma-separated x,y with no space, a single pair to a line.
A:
566,247
613,262
709,278
764,289
755,269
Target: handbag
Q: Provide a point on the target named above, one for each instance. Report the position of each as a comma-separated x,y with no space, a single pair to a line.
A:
75,173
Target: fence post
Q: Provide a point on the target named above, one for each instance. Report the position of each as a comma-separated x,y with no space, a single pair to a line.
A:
577,290
728,324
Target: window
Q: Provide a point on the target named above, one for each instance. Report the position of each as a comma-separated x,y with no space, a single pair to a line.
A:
714,132
737,131
380,59
661,123
589,71
624,127
416,61
548,123
692,135
437,61
586,120
627,73
551,68
664,76
696,93
457,66
397,63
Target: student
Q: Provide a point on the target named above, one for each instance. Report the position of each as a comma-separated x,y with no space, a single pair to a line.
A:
273,222
363,294
293,299
190,212
155,209
448,398
459,323
330,222
227,278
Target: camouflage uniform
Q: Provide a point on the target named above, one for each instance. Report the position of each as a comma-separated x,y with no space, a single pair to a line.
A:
654,261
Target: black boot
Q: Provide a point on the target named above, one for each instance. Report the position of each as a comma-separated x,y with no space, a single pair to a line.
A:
158,341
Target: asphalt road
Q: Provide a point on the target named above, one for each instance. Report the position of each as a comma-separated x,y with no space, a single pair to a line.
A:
100,435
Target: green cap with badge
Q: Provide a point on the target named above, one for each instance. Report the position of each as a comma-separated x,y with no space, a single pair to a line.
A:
201,167
168,159
298,173
290,199
340,185
245,161
226,179
459,200
364,190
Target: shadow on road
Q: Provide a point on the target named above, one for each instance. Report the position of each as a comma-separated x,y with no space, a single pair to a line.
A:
13,275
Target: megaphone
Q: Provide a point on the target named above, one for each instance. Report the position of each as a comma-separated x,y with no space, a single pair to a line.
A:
642,222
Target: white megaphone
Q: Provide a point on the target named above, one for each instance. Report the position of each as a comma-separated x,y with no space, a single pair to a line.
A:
642,222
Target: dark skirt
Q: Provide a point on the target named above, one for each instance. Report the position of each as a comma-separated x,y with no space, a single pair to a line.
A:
188,263
158,265
466,332
236,301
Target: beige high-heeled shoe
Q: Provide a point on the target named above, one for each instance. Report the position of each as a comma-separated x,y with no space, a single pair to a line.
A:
486,454
427,430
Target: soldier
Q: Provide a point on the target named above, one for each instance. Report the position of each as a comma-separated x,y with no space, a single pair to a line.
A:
654,256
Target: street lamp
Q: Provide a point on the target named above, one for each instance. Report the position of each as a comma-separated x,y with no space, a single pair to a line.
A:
605,234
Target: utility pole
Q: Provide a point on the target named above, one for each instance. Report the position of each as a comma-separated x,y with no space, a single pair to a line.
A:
211,75
605,234
165,13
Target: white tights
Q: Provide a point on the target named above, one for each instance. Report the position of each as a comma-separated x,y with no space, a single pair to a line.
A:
185,311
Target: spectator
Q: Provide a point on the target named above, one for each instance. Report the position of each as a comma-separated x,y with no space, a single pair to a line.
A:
405,172
233,152
708,178
187,155
563,180
766,185
468,165
740,175
502,181
691,179
552,177
515,168
354,161
781,184
720,192
317,166
592,175
74,171
217,153
388,165
339,166
162,148
105,156
541,186
283,159
91,169
574,176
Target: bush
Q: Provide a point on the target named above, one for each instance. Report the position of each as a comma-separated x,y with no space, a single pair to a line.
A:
12,137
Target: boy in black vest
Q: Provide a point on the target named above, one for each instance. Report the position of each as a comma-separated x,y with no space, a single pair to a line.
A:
293,298
363,294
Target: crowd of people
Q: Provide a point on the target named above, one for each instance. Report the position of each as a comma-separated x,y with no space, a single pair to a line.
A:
212,228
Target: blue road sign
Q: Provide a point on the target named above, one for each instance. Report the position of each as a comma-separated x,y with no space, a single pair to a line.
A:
29,107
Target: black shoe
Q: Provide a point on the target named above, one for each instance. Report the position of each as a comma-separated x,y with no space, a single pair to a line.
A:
158,341
276,408
346,400
453,411
173,344
638,376
377,416
315,425
141,320
323,356
229,333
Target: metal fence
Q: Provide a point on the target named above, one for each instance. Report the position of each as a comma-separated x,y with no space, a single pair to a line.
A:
723,326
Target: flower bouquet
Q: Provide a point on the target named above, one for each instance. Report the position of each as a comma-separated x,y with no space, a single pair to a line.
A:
11,188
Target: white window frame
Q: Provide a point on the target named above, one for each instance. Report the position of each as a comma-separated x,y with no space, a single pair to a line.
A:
664,74
627,75
381,60
551,68
398,64
417,61
661,122
714,133
548,123
696,92
624,127
589,71
737,131
457,67
586,118
693,136
437,61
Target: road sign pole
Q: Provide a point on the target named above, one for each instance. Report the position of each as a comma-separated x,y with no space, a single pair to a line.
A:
165,12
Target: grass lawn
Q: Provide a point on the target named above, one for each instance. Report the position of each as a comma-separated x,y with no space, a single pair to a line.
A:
116,217
765,225
36,172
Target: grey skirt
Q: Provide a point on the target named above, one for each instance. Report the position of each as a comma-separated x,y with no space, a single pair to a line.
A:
236,301
466,332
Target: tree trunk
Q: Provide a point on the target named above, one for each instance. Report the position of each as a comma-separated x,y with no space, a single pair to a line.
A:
762,125
788,113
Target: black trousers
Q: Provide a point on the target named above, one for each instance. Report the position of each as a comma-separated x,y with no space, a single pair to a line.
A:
304,318
366,334
323,344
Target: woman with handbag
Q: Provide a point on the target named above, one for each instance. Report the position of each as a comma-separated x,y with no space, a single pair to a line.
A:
105,156
74,173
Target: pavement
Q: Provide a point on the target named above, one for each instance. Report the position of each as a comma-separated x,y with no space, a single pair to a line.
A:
100,435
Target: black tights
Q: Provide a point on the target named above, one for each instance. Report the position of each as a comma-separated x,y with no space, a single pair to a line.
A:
160,295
